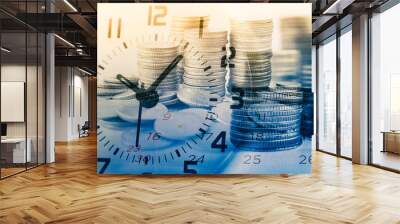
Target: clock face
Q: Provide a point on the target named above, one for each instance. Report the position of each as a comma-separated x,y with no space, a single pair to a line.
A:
190,88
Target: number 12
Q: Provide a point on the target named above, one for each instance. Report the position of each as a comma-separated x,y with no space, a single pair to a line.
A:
160,12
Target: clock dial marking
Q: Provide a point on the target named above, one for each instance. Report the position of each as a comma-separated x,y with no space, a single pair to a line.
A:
119,28
109,28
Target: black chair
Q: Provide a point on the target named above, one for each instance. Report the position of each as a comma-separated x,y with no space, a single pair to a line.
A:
84,130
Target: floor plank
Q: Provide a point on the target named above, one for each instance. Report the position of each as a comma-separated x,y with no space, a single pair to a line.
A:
70,191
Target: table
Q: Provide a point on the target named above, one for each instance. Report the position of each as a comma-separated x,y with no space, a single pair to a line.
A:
391,141
19,155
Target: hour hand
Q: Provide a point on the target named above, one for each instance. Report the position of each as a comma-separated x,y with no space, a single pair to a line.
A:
129,84
147,99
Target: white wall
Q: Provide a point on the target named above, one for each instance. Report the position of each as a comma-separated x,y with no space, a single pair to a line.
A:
70,84
80,109
34,125
61,103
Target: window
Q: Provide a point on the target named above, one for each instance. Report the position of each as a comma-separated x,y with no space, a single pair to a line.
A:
385,89
327,96
346,93
22,77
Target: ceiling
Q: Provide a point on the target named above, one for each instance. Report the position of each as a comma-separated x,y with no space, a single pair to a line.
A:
76,22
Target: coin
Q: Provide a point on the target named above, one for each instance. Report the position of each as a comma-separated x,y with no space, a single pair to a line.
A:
276,145
153,58
179,124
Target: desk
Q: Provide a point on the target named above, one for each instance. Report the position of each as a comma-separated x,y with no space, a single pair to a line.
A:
391,141
18,149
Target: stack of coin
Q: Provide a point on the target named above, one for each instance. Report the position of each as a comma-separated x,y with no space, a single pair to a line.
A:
307,125
296,32
111,95
153,58
285,65
269,120
204,64
251,40
181,23
306,77
110,87
296,35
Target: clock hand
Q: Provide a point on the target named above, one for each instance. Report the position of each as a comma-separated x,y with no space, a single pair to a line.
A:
129,84
164,74
147,97
150,97
138,91
139,122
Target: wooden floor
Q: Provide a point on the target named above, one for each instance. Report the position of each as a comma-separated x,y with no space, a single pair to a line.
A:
5,172
70,191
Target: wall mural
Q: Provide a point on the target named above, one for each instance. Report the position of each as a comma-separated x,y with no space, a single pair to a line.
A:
204,88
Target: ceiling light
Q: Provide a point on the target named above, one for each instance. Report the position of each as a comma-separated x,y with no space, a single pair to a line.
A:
84,71
337,7
5,50
65,41
70,5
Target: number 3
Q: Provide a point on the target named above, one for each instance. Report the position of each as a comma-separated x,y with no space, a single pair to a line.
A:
237,98
155,20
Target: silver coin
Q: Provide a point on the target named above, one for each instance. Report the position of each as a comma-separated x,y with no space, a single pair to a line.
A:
154,72
267,117
211,89
111,86
170,102
250,80
203,83
204,77
200,64
155,54
246,63
205,70
152,60
126,95
115,81
248,83
271,113
196,98
205,54
162,83
250,75
206,34
193,92
109,92
263,136
271,109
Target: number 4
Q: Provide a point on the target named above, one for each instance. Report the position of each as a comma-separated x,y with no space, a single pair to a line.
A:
222,139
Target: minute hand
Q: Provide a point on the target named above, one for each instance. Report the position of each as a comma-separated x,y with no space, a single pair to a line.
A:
164,74
128,84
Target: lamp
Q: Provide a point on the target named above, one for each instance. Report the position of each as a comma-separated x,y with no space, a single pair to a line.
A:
64,40
70,5
5,50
